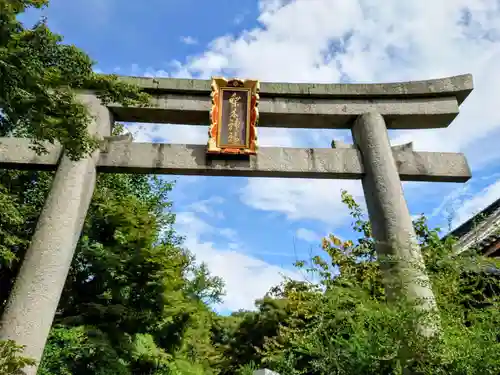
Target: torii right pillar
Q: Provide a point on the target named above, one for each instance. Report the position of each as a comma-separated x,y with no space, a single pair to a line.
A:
392,228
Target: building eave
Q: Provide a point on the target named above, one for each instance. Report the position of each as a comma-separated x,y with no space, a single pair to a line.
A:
481,231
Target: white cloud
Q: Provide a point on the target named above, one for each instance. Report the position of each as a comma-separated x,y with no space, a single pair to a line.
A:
477,203
189,40
238,19
465,200
301,199
190,223
141,132
307,235
169,133
207,207
229,233
401,40
359,41
330,40
247,278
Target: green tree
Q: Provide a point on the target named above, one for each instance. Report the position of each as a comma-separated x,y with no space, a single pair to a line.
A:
134,301
39,76
11,360
127,304
241,337
38,79
344,325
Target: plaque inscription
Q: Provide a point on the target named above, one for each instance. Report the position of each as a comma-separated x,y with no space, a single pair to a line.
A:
233,117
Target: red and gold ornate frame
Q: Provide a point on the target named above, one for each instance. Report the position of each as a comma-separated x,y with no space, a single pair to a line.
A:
220,84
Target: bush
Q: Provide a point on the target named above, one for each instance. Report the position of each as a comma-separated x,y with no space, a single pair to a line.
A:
11,360
345,325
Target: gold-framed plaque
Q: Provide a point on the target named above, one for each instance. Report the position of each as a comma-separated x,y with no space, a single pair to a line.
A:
233,117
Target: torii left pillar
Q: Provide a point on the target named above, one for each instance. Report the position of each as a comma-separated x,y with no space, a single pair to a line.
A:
33,301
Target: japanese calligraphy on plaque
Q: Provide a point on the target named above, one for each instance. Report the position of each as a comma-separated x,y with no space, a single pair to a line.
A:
233,117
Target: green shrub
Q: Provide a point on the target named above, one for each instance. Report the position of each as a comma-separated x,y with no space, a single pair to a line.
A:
11,359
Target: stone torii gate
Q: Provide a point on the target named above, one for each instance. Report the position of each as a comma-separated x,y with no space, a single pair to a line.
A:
367,109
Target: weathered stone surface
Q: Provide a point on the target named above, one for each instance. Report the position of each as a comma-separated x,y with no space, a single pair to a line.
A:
265,372
395,240
457,86
341,144
290,112
15,153
33,301
339,163
423,104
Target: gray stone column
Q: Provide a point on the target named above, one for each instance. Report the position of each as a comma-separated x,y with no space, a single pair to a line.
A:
33,302
392,228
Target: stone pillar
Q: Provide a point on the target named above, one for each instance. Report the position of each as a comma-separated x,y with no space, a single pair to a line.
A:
392,228
33,302
264,372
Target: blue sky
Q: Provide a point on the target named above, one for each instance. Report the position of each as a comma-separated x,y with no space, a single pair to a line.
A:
250,231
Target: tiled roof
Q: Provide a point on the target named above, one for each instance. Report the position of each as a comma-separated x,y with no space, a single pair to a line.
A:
481,230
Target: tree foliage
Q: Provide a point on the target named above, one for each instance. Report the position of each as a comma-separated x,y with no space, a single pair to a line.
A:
135,301
38,79
12,361
129,303
344,325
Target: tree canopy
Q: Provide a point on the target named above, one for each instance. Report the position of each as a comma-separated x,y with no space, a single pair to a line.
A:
137,302
38,78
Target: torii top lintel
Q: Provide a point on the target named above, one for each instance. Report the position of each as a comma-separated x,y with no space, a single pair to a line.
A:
404,105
